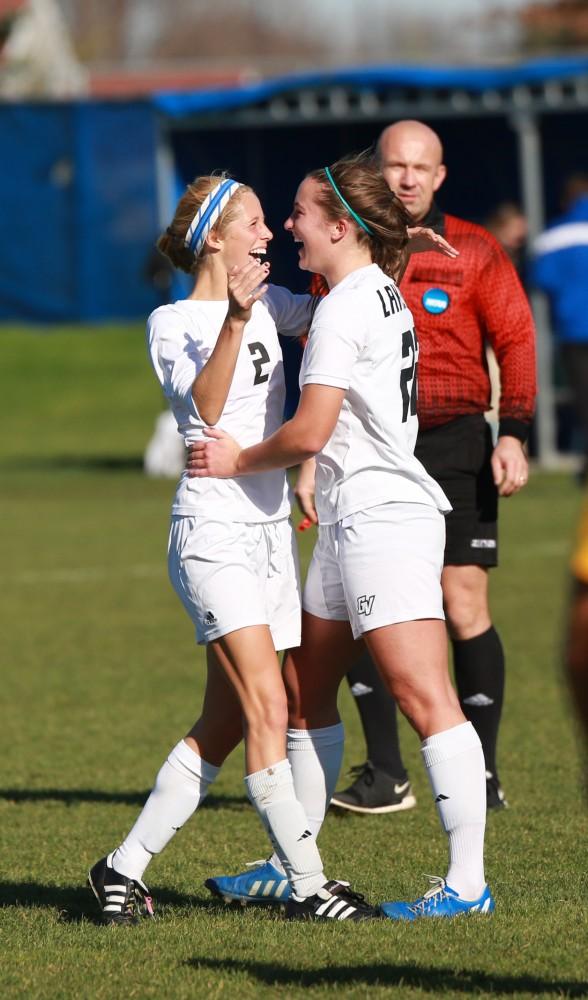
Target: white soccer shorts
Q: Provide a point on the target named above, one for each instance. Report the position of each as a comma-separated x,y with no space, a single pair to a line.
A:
230,575
378,567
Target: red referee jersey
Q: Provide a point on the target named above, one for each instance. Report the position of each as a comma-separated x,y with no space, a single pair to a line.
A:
458,306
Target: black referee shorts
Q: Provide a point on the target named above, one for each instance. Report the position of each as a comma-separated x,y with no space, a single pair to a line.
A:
457,454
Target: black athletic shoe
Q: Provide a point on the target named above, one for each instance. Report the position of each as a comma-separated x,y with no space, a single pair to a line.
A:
495,798
374,791
121,900
334,901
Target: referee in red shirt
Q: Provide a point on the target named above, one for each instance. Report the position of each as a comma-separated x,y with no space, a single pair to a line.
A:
459,306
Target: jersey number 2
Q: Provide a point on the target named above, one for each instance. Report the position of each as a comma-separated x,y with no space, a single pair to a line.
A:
260,357
408,376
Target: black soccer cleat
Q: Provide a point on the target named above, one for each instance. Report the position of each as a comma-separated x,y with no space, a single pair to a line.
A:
374,792
121,900
334,901
495,797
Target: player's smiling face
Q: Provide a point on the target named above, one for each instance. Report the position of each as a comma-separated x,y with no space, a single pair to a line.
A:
310,228
247,235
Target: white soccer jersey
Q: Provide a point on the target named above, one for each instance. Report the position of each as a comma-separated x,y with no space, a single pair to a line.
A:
362,339
181,337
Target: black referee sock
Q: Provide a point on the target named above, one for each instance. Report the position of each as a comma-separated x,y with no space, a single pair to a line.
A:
377,709
479,678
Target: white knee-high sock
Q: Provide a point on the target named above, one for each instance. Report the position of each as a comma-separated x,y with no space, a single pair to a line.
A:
180,787
315,757
271,791
455,765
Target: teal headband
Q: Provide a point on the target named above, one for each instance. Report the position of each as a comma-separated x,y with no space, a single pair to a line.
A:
353,214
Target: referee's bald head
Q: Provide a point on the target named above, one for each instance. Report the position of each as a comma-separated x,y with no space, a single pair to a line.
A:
410,154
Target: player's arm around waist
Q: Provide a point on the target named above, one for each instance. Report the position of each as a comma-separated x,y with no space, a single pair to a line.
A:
300,438
220,456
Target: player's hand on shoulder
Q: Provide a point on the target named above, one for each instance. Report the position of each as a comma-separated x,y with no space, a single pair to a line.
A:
421,239
216,457
510,466
245,285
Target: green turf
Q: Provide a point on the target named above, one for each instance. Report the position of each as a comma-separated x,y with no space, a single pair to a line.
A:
101,677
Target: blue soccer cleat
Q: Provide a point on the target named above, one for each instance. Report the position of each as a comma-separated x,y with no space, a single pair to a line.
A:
439,901
262,884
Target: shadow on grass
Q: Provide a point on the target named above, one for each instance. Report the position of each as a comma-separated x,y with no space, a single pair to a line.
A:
427,978
73,796
76,903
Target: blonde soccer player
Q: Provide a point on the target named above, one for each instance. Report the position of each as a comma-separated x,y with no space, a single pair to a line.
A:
232,555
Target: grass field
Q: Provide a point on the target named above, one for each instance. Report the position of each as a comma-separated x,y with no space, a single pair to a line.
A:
101,677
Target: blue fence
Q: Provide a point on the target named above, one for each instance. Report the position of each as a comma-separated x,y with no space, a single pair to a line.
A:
79,210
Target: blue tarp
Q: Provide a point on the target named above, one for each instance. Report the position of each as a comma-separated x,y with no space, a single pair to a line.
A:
472,79
79,210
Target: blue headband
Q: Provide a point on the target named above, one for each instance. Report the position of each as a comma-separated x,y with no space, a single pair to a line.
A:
353,214
208,214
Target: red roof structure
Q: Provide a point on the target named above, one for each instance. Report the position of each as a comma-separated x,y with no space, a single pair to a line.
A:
120,82
10,7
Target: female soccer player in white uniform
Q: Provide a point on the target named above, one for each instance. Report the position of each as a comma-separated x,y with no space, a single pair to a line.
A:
232,555
376,567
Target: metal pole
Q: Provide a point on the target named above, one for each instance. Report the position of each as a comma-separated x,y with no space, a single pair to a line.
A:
531,176
165,174
169,188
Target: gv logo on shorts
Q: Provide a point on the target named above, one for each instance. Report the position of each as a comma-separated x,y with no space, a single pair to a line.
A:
365,604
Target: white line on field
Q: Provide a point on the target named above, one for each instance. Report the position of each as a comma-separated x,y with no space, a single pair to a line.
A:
85,574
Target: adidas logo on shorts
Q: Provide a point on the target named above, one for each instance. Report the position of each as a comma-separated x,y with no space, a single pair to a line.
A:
210,619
